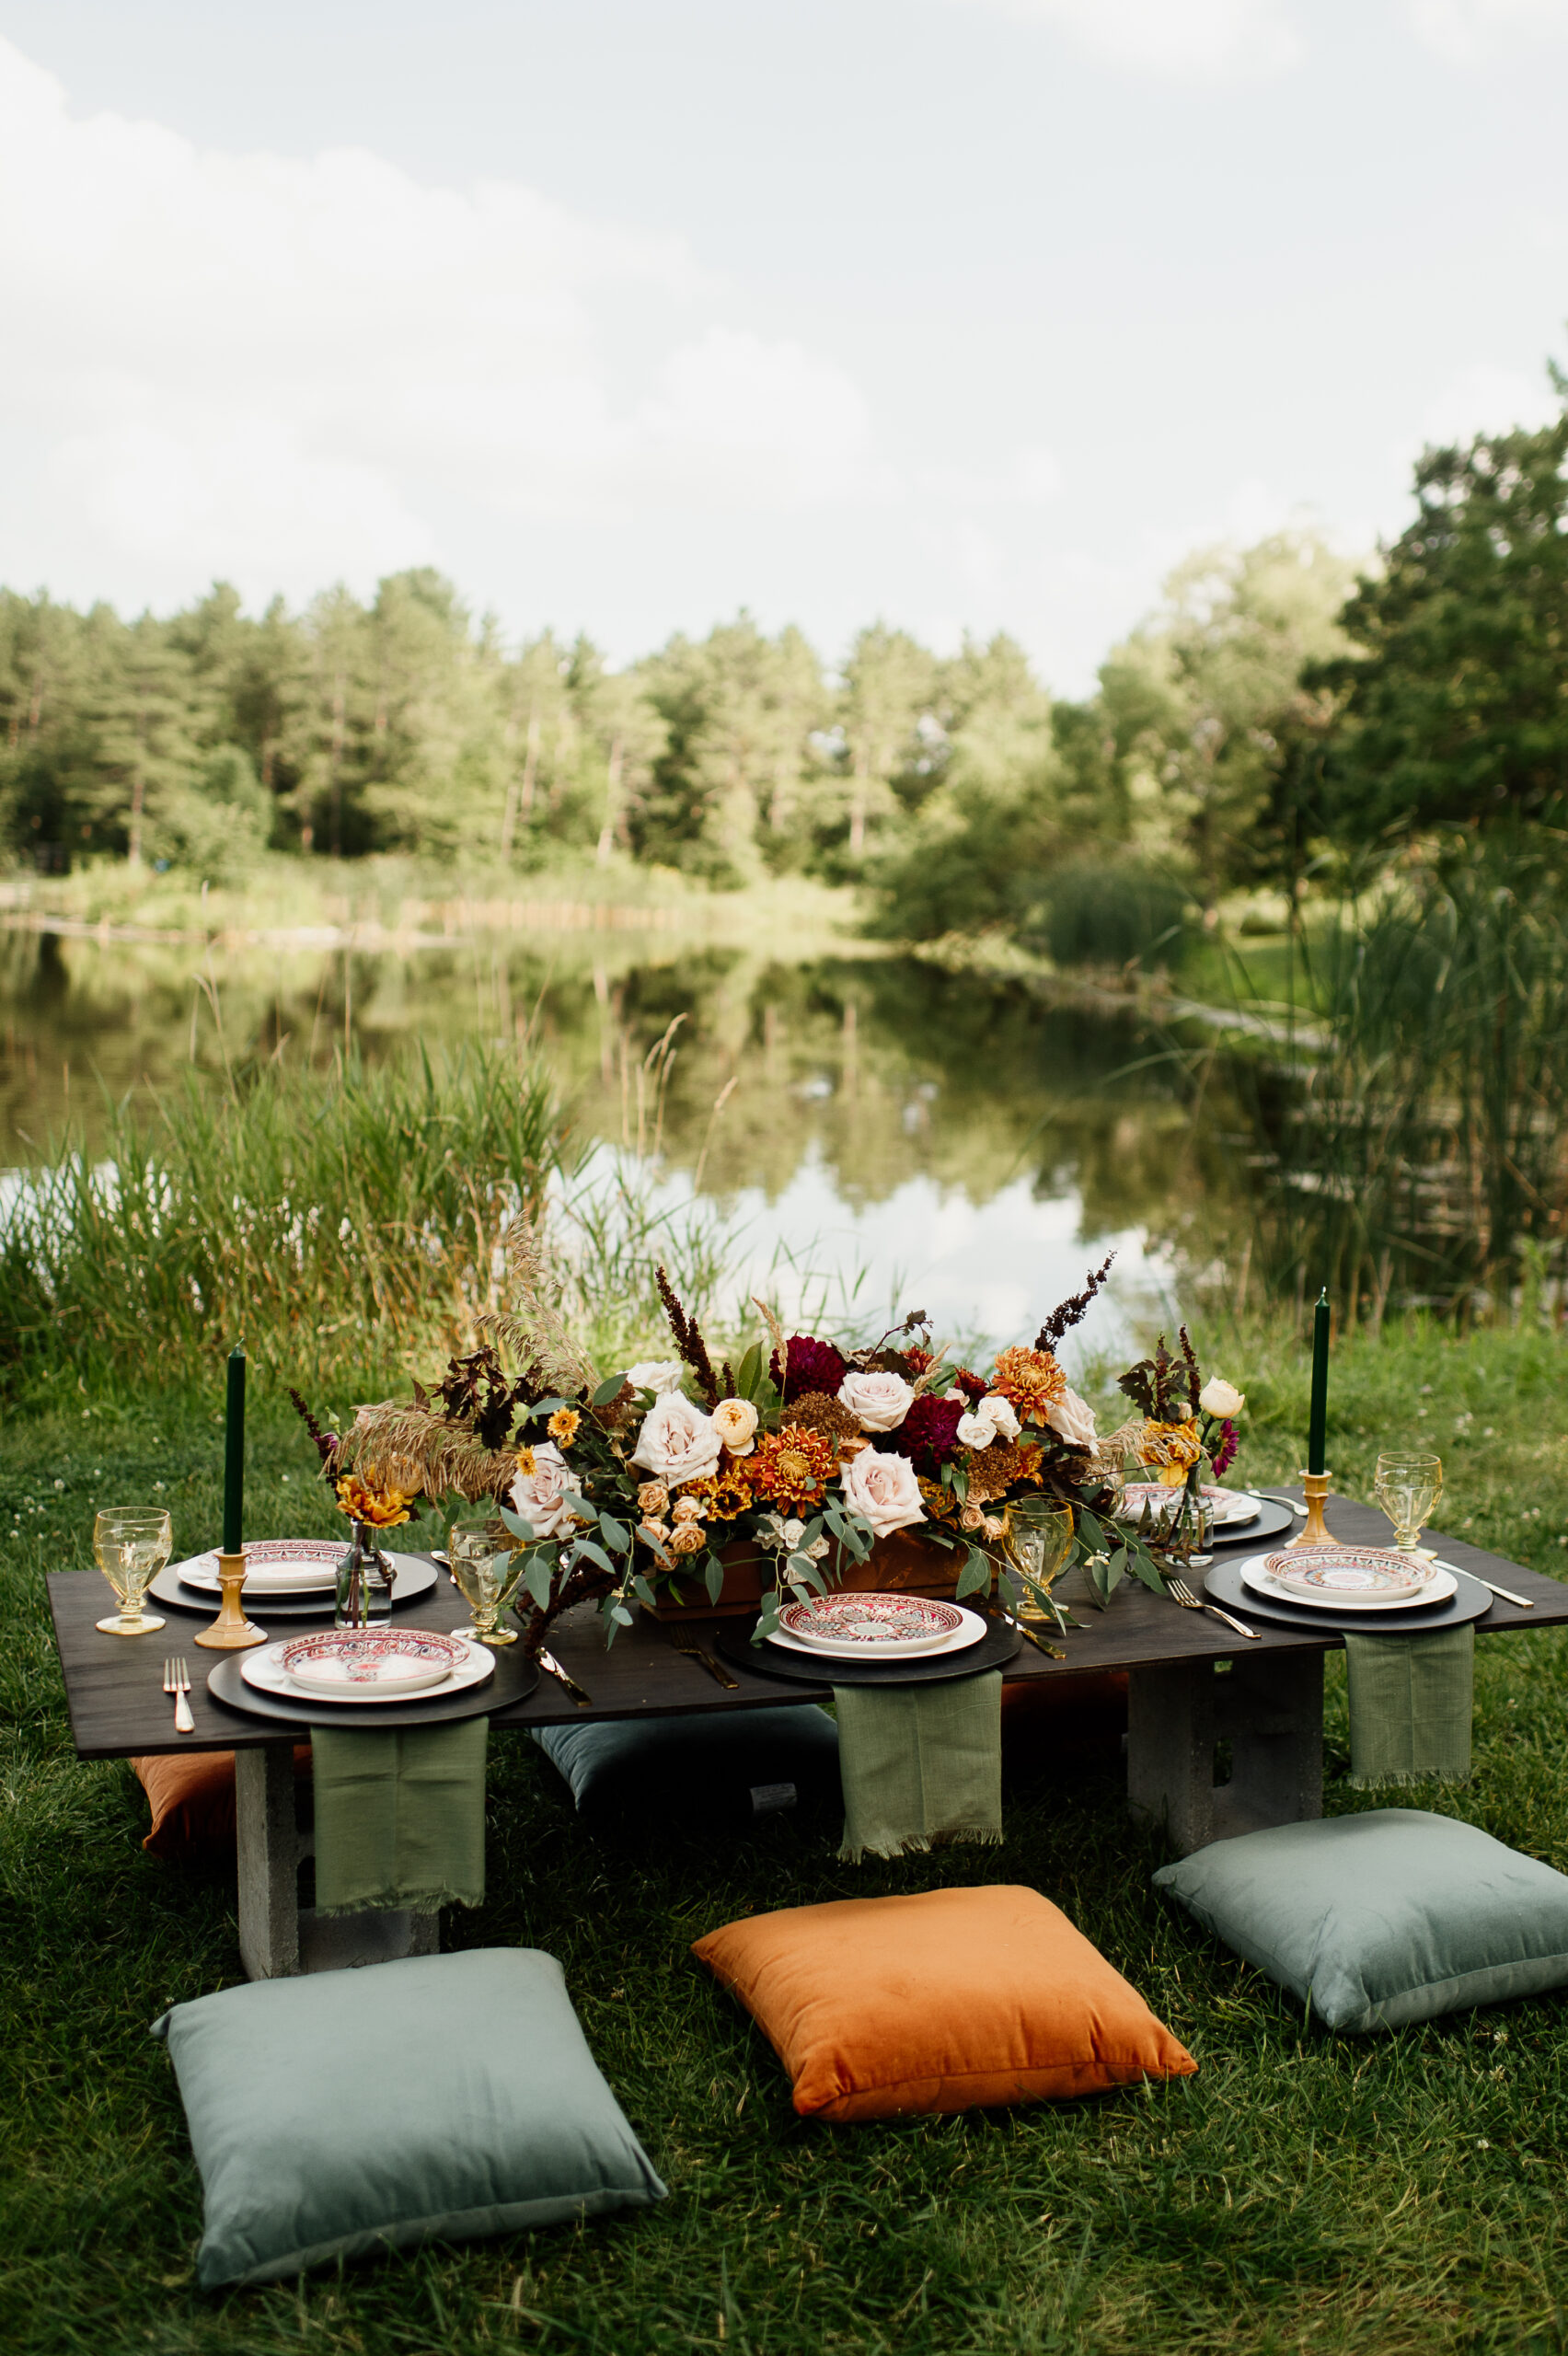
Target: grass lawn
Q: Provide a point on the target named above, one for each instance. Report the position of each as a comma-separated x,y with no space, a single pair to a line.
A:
1303,2191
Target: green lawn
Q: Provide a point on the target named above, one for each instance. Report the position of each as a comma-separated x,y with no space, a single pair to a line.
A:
1302,2191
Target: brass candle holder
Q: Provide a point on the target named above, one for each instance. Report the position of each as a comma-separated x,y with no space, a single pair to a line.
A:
1313,1530
231,1632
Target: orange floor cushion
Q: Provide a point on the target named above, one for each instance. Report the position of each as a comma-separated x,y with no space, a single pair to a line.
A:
945,2000
1049,1720
191,1793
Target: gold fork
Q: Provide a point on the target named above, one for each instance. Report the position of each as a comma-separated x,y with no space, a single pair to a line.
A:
1179,1592
177,1681
688,1648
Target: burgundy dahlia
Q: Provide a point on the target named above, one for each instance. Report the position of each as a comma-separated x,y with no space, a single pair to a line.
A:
973,1386
1224,1455
814,1366
929,1434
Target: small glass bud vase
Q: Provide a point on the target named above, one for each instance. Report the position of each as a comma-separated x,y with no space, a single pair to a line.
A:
363,1575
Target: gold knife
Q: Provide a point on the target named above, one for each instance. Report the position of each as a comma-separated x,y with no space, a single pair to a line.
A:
548,1661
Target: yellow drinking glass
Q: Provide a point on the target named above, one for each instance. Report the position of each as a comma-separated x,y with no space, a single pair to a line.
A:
1039,1541
487,1578
132,1547
1406,1487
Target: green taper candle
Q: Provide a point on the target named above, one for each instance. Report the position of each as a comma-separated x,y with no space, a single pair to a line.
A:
234,1452
1318,1422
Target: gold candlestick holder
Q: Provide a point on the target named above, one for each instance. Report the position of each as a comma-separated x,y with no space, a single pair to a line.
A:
231,1632
1313,1530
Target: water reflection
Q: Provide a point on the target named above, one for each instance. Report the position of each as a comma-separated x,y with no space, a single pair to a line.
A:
951,1138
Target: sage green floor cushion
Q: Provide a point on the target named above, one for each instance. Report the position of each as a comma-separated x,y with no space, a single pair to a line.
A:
1377,1920
347,2111
726,1766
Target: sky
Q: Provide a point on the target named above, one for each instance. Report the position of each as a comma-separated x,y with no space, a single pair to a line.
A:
965,315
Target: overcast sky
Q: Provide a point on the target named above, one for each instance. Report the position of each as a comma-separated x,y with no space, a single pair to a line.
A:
626,313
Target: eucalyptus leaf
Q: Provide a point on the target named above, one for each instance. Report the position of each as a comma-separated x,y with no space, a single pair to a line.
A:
595,1554
713,1578
537,1580
518,1527
611,1388
975,1576
614,1534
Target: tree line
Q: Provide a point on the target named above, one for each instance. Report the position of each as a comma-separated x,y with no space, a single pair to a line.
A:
1272,719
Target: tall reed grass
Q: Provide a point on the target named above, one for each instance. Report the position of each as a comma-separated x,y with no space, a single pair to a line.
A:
1417,1124
332,1221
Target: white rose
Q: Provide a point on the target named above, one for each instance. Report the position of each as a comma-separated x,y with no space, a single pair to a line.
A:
975,1430
677,1441
1222,1400
657,1375
734,1420
538,1498
878,1402
1072,1419
883,1491
1001,1412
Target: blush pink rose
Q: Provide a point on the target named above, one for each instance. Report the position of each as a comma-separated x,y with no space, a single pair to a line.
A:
677,1441
883,1491
538,1498
879,1402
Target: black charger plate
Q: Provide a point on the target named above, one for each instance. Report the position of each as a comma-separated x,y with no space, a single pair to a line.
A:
733,1638
514,1681
1470,1601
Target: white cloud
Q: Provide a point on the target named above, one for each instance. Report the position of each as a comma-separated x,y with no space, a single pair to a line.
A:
1464,32
1180,41
283,369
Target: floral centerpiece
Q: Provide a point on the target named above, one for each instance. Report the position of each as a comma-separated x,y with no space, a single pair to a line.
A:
625,1485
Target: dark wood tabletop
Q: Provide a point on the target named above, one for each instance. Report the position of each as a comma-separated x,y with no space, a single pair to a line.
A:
114,1684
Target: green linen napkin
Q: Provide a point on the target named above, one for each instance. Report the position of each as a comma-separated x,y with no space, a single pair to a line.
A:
921,1765
400,1816
1411,1698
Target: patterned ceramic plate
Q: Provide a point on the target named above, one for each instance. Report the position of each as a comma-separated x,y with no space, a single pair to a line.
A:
872,1627
974,1626
353,1665
274,1565
1325,1574
1256,1575
1231,1508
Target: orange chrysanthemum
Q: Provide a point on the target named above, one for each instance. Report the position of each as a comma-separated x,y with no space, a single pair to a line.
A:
562,1426
366,1501
1031,1378
792,1467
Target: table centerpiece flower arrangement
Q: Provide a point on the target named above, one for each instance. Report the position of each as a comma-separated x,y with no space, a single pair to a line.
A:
622,1487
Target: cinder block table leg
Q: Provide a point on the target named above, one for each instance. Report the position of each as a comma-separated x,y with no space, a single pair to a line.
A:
277,1938
267,1838
1270,1707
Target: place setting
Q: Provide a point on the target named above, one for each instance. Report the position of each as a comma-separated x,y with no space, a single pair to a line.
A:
1362,1589
289,1578
397,1677
844,1638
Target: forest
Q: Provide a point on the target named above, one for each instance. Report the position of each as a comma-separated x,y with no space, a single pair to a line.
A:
1277,724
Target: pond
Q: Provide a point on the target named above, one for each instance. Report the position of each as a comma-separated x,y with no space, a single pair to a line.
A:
912,1136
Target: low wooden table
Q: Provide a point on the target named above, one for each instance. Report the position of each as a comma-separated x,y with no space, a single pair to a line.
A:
1193,1683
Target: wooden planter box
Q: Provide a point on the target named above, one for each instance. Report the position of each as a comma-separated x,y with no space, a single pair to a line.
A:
906,1564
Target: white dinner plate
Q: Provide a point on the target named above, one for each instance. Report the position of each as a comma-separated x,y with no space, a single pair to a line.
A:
1256,1575
264,1668
974,1626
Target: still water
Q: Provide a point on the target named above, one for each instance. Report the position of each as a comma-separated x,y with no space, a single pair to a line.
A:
908,1137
